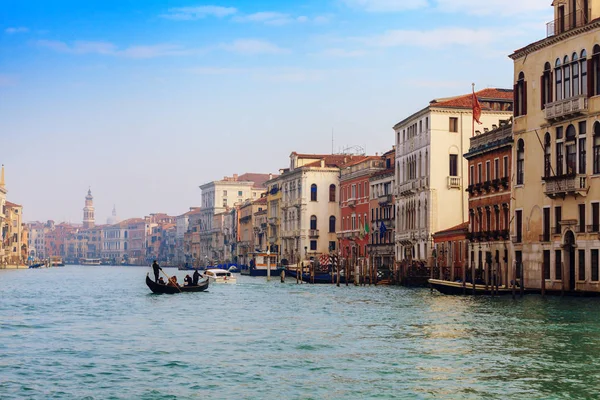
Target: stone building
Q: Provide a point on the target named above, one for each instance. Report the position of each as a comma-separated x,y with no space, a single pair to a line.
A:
88,211
489,159
556,186
430,170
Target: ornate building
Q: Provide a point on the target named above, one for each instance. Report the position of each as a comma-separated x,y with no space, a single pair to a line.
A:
88,211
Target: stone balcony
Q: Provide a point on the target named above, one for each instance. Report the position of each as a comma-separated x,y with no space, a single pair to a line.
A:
566,108
564,185
313,233
274,220
454,182
386,199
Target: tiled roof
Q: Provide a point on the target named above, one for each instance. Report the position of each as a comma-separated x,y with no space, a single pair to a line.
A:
332,160
11,204
262,200
258,179
358,161
196,210
457,228
466,100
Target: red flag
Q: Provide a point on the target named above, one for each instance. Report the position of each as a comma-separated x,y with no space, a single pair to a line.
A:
476,108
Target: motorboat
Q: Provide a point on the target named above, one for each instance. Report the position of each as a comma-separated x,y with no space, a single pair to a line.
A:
90,261
216,275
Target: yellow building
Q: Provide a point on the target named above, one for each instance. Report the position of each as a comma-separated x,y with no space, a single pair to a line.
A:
556,153
14,247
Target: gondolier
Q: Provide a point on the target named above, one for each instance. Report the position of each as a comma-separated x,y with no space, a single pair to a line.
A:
156,269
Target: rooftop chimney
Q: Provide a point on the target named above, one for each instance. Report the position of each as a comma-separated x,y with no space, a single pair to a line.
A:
235,177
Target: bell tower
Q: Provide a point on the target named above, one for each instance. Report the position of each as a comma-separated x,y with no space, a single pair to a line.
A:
88,211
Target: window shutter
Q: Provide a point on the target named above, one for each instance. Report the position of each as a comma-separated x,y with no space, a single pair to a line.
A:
524,97
516,105
542,91
591,77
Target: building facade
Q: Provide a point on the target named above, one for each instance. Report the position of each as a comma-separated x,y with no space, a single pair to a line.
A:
556,153
430,170
382,212
88,211
489,159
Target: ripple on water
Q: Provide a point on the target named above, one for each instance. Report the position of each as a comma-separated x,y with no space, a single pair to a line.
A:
107,337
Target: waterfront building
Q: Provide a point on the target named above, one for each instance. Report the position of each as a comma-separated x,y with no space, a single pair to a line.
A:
310,209
382,213
12,234
260,226
246,233
430,170
451,253
489,160
94,241
37,244
230,229
220,196
55,236
3,192
354,202
217,241
88,211
191,238
76,246
274,195
556,219
182,226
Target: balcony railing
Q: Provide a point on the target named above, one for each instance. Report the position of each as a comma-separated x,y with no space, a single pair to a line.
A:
454,182
313,233
567,107
593,228
273,220
351,202
408,188
563,185
386,199
567,22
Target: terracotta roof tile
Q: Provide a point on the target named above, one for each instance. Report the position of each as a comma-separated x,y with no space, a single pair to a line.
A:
11,204
258,179
465,100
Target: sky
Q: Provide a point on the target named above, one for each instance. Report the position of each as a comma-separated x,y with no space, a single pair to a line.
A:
143,101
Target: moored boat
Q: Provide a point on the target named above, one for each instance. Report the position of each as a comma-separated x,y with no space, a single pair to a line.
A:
159,288
217,275
90,261
56,261
38,265
458,288
319,277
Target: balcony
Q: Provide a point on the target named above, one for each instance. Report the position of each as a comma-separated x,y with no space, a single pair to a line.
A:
454,182
566,108
273,221
593,228
408,188
313,233
564,185
567,22
385,199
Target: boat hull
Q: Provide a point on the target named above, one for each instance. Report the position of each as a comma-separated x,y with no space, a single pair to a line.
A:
457,288
157,288
320,278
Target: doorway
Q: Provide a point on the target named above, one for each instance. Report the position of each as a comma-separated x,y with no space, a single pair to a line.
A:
570,257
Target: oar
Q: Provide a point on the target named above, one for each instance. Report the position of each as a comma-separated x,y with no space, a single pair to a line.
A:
169,280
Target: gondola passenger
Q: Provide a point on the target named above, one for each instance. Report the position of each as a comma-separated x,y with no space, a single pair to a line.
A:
161,280
187,280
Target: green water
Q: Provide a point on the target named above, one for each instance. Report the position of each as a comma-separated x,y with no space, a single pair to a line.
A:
98,333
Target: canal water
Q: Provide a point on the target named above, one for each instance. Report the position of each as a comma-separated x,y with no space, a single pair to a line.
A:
97,333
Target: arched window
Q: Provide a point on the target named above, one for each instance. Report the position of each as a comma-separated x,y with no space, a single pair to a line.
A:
571,150
546,85
313,222
520,94
575,74
595,78
313,192
332,192
584,78
547,156
558,80
332,224
567,78
520,161
596,149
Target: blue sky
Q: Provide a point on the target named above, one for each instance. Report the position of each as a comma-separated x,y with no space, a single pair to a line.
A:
145,100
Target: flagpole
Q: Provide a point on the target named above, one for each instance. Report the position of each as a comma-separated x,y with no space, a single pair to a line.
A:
473,112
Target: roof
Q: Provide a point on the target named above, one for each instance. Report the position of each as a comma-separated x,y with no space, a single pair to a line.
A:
358,161
258,179
455,229
466,100
262,200
332,160
194,210
11,204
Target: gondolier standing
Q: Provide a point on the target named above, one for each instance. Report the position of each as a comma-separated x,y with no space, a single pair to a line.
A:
156,268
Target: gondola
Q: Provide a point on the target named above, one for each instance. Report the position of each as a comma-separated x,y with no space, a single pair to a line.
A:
457,288
160,289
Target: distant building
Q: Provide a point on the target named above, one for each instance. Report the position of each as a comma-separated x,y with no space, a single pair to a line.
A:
88,211
3,192
113,219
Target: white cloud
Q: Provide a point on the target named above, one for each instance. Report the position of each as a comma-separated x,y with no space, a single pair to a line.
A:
494,7
199,12
106,48
13,30
253,47
435,38
337,52
386,5
266,17
217,70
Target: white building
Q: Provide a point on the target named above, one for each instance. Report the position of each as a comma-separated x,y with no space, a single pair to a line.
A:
220,196
310,200
3,192
431,174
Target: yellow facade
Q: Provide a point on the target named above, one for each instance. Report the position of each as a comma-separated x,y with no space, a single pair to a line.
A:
556,153
274,194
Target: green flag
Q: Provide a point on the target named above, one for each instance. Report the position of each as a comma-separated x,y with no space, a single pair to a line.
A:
367,230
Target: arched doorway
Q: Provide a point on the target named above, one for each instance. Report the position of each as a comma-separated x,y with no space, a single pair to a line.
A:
569,258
